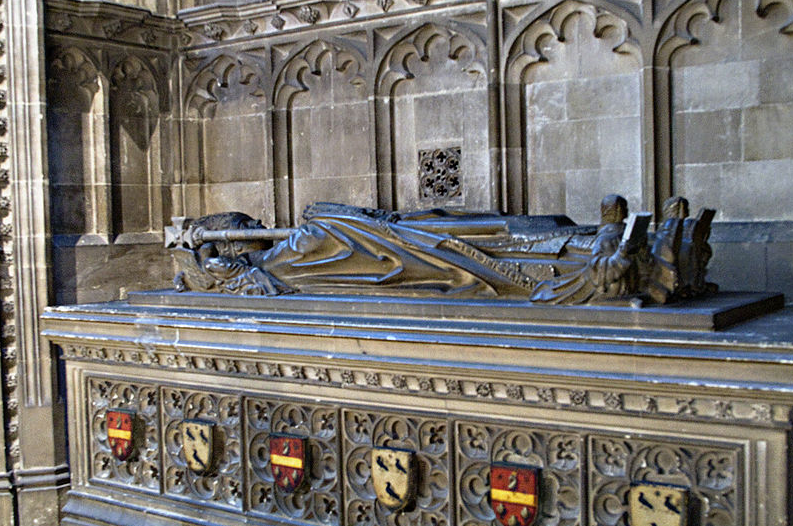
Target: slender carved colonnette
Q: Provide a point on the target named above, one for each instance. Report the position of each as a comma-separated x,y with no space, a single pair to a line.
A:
10,382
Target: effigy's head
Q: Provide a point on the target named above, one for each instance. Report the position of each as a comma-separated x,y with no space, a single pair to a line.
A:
675,208
613,209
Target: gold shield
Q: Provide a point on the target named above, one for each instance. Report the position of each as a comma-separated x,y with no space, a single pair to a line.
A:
393,476
198,445
658,505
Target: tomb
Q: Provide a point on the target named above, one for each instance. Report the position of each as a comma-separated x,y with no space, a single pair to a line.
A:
279,383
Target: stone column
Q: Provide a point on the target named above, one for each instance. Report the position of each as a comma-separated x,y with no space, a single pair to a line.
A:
34,439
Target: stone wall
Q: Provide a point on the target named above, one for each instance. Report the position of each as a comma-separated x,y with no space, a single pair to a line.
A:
521,106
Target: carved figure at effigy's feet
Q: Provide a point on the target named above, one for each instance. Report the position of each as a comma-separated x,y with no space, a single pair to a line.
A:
343,249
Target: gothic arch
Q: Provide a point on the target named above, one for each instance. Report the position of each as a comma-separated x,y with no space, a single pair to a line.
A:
686,24
224,72
414,44
308,59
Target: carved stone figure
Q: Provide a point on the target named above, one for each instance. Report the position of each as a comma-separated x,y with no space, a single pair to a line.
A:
349,250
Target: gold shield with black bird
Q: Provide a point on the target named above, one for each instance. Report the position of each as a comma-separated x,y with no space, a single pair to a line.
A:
198,444
394,476
658,505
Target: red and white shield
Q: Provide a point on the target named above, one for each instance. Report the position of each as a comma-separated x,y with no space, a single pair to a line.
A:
120,424
514,493
288,460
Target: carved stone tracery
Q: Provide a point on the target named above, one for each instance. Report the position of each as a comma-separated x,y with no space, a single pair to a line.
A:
427,437
222,485
320,502
142,469
712,473
558,455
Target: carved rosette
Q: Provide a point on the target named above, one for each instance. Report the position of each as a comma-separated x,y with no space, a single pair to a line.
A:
558,455
712,474
320,502
141,470
428,438
222,485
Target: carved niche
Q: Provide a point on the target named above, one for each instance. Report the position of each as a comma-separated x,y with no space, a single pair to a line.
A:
142,469
321,501
76,130
225,102
431,93
320,128
221,484
723,97
427,437
572,77
135,148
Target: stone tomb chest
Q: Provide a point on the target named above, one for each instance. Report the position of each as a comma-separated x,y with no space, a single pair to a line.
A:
201,408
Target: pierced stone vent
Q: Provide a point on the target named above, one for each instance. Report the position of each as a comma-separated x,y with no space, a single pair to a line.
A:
439,173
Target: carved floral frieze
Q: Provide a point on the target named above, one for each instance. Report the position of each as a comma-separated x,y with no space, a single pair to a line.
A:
538,394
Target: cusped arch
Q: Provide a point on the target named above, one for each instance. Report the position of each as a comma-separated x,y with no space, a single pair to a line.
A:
133,75
145,73
307,59
677,30
203,93
462,45
81,69
526,47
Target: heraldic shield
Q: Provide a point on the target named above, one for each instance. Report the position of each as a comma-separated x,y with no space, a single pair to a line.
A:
514,493
198,444
120,424
394,476
288,461
659,505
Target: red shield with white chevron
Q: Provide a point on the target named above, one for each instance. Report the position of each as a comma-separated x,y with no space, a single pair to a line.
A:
120,424
514,493
288,461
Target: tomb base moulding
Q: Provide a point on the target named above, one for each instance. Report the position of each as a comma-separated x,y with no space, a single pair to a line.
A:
297,409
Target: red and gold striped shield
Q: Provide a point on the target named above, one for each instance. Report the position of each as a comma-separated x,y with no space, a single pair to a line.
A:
288,461
514,493
120,424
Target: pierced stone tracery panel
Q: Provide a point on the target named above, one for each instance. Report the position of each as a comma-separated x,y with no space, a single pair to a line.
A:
222,486
558,454
321,501
427,437
142,469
